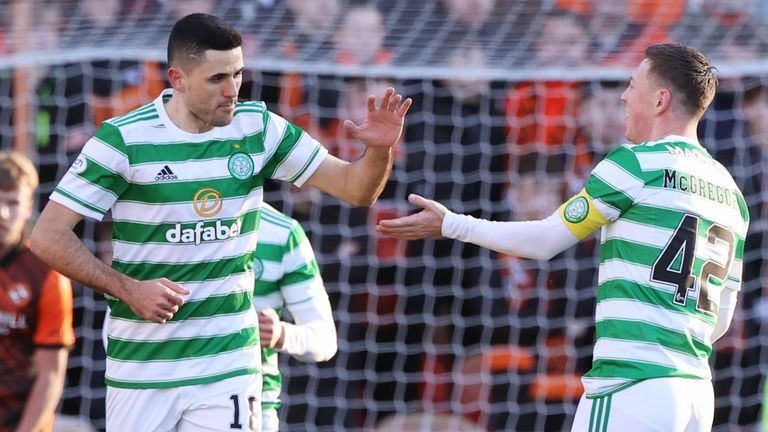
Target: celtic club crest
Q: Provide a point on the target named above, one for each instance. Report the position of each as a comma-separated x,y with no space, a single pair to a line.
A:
258,268
577,210
241,166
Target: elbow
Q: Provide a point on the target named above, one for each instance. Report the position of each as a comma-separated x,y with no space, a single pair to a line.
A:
366,202
329,352
37,241
540,254
720,330
549,246
363,200
322,355
545,255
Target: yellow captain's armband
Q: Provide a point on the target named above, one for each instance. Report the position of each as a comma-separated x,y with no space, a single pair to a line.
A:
580,216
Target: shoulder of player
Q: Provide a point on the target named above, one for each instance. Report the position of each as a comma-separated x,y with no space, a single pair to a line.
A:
629,153
141,115
250,106
274,219
251,116
251,110
625,154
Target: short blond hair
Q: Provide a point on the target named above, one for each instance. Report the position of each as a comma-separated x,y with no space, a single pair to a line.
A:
17,172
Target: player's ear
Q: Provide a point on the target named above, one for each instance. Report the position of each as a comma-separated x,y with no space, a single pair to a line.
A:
663,100
176,77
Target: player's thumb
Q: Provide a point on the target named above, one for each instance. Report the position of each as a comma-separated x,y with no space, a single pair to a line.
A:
420,201
426,204
351,128
417,200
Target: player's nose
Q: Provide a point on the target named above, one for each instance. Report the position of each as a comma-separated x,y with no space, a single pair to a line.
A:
230,89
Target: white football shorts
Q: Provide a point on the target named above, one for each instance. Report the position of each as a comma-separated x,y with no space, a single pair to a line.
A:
659,404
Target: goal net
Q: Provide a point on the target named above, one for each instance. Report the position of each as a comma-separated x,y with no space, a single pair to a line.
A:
514,102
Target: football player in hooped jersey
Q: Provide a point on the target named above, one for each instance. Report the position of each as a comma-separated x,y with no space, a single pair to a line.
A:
673,226
288,277
183,177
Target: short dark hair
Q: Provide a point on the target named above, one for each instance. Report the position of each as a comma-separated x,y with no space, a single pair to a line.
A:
17,172
687,71
196,33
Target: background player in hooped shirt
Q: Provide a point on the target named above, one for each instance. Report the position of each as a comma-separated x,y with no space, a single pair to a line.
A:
288,277
35,310
183,177
672,242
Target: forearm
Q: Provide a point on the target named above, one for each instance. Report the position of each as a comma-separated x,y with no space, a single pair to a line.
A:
46,392
366,176
540,239
313,337
311,342
61,249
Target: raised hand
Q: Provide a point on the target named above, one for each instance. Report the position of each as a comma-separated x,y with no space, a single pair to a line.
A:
271,332
154,300
427,223
383,125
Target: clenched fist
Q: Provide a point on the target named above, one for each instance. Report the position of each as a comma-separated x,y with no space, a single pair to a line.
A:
270,329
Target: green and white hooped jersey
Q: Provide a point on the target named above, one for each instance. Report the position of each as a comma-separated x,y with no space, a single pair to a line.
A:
185,207
286,273
674,224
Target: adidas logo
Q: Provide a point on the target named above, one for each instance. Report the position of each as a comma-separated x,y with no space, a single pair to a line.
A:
166,174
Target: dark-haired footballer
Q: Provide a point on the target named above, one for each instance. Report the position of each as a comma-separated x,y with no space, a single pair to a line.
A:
183,179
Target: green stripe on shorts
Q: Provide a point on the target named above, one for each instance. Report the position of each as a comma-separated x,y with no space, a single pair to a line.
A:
601,410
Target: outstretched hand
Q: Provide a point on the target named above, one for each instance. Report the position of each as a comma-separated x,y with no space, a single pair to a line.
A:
428,223
383,125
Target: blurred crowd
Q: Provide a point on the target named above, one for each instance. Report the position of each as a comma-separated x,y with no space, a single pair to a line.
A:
432,327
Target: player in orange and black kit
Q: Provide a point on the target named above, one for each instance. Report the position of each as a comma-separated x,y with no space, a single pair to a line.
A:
35,311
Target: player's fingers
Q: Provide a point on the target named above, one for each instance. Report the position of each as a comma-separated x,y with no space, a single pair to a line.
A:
268,313
387,97
404,107
394,226
371,102
163,316
175,287
401,222
403,233
394,102
174,298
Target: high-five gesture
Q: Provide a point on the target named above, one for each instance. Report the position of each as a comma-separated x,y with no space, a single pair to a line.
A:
361,181
427,223
383,124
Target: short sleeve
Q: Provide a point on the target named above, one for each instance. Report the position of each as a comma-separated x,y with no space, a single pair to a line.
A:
294,155
97,177
54,327
615,183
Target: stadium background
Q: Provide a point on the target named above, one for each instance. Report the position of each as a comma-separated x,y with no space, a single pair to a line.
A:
515,100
